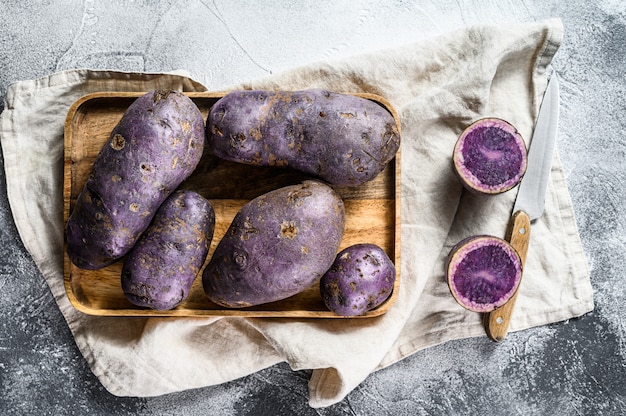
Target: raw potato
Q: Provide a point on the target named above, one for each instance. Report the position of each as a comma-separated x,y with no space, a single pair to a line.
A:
490,156
155,146
278,245
483,272
160,269
340,138
361,279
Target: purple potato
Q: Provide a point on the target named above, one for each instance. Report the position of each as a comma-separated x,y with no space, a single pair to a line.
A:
155,146
490,156
361,279
159,270
483,272
340,138
278,245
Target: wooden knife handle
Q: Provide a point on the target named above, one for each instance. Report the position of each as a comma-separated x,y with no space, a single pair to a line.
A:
518,234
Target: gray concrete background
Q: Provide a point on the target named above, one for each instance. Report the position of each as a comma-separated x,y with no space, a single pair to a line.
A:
576,367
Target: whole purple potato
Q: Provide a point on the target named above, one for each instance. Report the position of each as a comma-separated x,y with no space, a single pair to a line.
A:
278,245
155,146
360,279
159,270
340,138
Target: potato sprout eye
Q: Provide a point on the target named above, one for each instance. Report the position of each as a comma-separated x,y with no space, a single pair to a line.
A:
118,142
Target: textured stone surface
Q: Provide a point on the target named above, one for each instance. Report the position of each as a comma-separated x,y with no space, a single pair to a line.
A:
574,367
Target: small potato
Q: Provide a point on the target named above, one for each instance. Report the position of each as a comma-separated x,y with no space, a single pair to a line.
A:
361,278
343,139
155,146
160,269
278,245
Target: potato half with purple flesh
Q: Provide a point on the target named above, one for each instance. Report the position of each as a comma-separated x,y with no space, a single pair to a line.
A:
159,270
483,272
340,138
155,146
278,245
361,279
490,156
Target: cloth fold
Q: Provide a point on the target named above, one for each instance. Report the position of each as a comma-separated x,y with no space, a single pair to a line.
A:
438,85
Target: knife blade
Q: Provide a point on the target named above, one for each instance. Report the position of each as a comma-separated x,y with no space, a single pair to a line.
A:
530,200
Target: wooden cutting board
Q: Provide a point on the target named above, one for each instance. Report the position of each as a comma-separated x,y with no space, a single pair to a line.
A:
372,213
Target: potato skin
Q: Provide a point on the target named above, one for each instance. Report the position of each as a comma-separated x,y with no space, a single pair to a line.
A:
360,279
159,270
278,245
155,146
343,139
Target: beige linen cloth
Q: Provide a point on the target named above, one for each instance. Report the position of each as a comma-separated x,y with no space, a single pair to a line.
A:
439,86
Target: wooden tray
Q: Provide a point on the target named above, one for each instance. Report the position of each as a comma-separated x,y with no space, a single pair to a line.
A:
372,214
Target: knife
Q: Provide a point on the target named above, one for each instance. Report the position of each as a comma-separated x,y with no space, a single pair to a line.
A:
531,196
